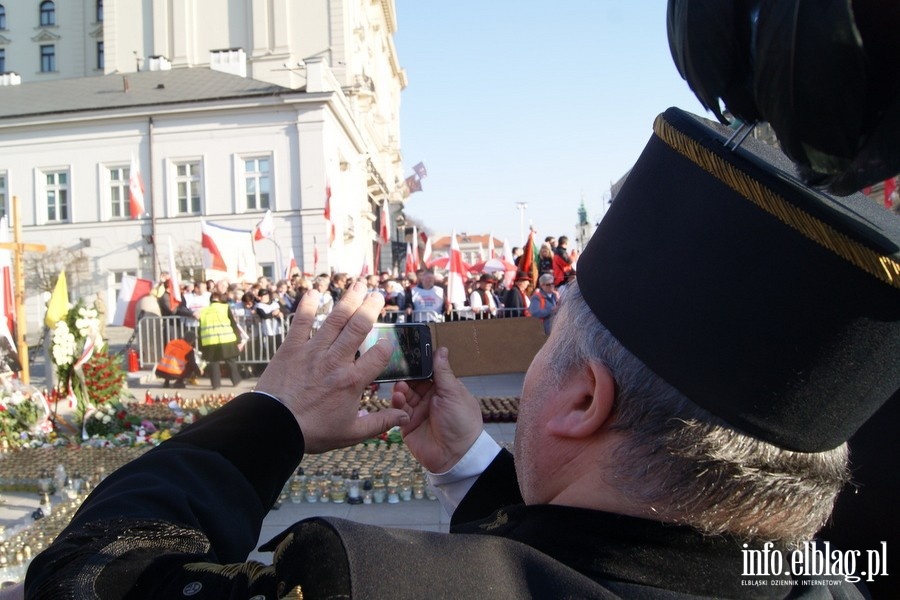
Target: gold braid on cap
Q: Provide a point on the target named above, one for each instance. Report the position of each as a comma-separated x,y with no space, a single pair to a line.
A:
881,266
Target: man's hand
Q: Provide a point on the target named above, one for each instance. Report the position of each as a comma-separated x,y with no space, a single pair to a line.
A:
445,418
320,379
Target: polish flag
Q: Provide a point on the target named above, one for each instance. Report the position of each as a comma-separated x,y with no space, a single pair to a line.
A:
212,255
292,264
426,253
174,283
135,190
492,253
131,291
7,297
506,253
228,251
265,228
456,291
384,230
410,266
415,248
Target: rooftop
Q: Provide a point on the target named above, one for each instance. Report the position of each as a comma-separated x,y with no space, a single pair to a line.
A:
147,88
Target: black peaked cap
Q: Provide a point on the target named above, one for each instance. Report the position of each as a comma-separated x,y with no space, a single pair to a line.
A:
771,305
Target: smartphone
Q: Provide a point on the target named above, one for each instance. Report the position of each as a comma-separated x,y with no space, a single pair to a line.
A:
412,355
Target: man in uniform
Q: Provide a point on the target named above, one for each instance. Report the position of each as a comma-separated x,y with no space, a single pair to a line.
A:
178,363
684,422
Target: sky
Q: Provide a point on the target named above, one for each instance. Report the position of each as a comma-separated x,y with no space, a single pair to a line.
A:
545,103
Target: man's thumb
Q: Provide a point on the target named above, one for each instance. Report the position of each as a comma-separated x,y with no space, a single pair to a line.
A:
442,363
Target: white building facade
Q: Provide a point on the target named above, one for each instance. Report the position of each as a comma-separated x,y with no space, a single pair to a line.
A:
271,126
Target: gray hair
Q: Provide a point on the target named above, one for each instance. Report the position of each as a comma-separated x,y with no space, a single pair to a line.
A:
687,465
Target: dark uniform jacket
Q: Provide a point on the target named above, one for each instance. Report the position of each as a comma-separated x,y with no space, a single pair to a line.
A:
179,522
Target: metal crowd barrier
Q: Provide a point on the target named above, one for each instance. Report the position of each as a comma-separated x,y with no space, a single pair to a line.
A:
461,314
153,333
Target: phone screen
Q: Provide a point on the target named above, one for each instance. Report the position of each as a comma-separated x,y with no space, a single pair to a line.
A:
411,356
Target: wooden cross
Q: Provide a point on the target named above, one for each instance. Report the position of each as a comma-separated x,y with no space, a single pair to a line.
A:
18,250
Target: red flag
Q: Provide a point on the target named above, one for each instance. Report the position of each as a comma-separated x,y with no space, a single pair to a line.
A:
135,190
265,228
890,186
329,226
384,230
530,259
131,291
560,269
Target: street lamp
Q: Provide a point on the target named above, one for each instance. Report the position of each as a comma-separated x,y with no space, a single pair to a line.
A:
521,206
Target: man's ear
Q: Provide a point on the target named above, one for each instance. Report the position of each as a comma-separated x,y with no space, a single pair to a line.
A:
584,403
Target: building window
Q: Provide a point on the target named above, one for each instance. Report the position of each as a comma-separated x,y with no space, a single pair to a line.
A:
2,60
3,199
57,191
268,270
100,58
187,186
118,192
257,182
48,58
99,11
2,17
48,13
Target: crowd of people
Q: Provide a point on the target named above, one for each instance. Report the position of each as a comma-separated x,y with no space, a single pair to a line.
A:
253,326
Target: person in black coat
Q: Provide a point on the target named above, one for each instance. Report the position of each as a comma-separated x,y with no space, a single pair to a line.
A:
665,453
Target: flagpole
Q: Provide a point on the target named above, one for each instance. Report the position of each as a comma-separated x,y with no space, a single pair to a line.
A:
278,262
18,254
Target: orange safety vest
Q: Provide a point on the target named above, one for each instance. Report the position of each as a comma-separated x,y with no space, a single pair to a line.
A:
174,360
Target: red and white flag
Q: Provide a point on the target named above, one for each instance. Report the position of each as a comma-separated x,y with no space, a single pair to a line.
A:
384,227
456,290
228,251
492,253
426,252
506,254
292,264
212,256
174,284
131,291
329,225
415,248
410,266
7,297
265,228
135,190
